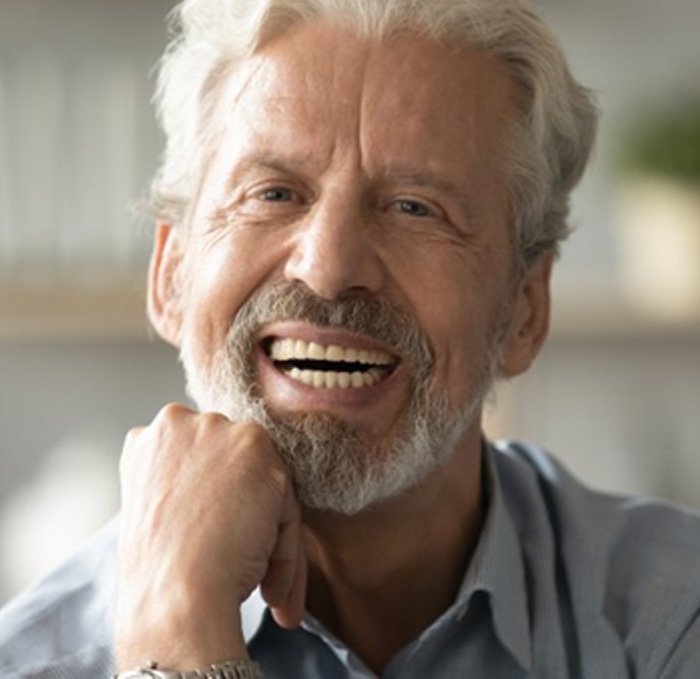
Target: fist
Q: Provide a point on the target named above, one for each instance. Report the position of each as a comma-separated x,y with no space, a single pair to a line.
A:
208,514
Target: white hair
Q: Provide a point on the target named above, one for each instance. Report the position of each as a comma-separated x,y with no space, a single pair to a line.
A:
552,135
336,465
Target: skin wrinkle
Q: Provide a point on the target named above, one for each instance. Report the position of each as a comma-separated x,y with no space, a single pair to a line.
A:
214,132
540,74
395,176
302,55
346,188
225,215
362,104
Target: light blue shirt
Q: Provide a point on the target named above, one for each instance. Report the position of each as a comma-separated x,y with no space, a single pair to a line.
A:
565,583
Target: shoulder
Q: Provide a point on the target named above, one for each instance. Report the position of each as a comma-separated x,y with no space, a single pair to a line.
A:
633,562
61,626
651,536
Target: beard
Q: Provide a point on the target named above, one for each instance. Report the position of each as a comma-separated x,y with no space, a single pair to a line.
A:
337,466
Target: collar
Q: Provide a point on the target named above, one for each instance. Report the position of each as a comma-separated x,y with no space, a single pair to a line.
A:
252,615
497,568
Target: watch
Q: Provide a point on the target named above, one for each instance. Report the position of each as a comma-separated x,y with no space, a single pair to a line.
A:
233,669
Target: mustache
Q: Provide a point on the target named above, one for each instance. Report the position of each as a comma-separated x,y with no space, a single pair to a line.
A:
371,316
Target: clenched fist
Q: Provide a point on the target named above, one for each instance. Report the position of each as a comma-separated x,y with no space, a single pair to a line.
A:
208,514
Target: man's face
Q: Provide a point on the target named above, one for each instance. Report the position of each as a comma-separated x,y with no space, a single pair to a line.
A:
349,266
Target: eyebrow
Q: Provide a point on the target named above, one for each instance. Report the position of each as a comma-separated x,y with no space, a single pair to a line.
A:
266,161
396,174
426,179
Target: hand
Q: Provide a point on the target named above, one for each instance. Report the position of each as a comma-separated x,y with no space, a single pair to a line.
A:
208,514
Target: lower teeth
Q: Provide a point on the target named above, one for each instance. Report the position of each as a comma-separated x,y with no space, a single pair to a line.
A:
326,379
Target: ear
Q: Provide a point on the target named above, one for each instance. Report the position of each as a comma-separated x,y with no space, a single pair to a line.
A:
529,323
164,284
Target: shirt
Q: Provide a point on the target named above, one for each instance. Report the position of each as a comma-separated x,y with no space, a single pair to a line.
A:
564,583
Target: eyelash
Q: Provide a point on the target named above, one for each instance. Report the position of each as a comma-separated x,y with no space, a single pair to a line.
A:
412,208
264,193
275,200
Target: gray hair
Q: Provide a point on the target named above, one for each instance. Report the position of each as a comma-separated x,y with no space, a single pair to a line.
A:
552,135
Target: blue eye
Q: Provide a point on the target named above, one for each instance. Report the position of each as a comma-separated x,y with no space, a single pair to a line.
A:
413,208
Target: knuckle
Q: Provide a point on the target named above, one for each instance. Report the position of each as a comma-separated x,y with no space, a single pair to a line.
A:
252,435
131,440
171,413
279,479
258,451
212,420
132,435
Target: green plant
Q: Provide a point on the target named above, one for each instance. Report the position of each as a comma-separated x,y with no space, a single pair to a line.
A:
667,143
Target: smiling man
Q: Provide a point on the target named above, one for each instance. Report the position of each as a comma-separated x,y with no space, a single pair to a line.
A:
358,211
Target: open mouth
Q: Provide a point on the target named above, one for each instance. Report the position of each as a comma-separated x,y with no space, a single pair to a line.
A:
329,366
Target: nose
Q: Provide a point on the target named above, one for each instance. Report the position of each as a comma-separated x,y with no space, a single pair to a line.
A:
335,252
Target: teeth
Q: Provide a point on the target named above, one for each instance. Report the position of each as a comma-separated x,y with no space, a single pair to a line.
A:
316,352
328,379
357,380
334,353
289,350
298,348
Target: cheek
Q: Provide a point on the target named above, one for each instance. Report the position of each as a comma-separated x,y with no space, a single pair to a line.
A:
457,308
222,276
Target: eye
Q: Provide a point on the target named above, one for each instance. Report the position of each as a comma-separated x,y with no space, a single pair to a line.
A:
277,194
272,200
414,208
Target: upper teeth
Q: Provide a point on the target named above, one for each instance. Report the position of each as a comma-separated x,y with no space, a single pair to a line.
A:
291,349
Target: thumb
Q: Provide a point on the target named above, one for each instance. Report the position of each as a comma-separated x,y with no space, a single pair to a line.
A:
289,615
284,585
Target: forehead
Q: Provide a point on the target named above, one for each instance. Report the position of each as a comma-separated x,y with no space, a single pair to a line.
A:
318,90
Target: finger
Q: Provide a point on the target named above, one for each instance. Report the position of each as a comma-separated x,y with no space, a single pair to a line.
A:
125,458
280,576
291,613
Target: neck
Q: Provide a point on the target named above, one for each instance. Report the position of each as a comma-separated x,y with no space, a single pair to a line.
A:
378,579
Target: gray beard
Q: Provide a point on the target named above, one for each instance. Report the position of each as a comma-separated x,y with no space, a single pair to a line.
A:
336,466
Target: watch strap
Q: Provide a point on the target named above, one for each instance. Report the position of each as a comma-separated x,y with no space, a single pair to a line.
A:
232,669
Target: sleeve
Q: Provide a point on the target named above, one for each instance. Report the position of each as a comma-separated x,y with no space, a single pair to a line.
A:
81,666
683,661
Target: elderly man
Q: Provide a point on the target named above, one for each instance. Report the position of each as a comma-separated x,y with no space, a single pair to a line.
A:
358,210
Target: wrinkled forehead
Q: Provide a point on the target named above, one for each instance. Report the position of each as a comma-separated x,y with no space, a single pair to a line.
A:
407,81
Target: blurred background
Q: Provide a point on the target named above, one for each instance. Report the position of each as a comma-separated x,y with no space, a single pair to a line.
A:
615,395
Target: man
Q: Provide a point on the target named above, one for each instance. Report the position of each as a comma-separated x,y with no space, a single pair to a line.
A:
358,211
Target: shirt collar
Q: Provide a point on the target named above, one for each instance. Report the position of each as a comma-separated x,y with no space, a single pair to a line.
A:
497,569
252,615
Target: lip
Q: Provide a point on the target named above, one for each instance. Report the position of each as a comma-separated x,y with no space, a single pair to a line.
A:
285,393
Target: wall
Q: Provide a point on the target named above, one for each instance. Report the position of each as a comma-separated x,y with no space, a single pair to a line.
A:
65,408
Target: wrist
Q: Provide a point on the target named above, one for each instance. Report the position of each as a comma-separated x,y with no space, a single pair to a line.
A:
177,635
185,647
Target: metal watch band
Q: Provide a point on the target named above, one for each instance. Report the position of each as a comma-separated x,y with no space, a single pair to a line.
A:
233,669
